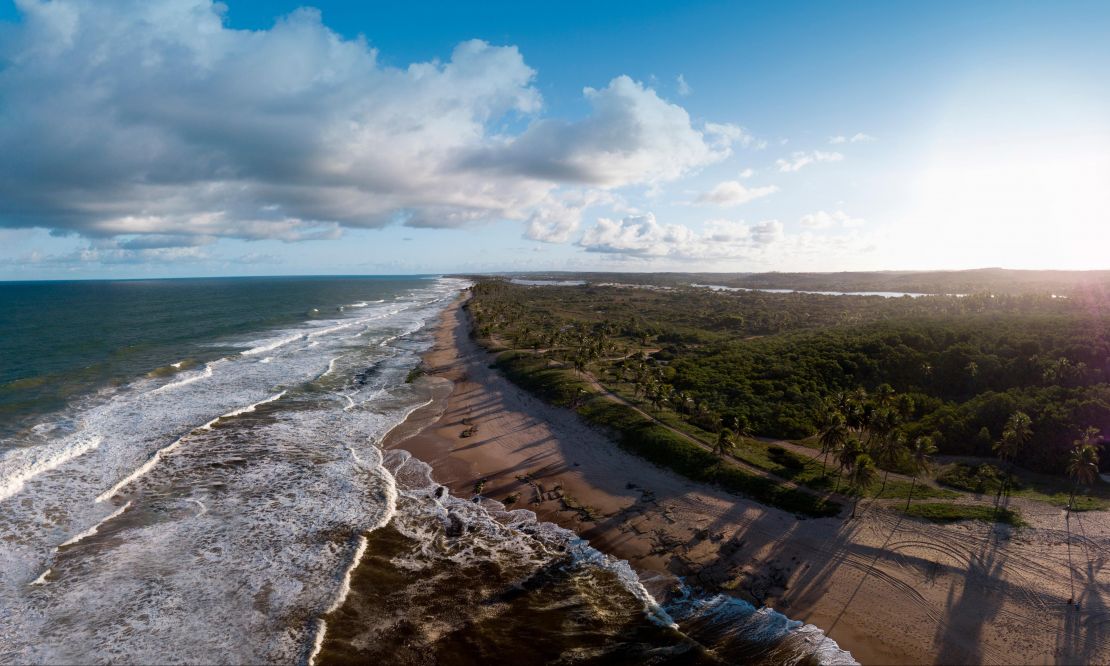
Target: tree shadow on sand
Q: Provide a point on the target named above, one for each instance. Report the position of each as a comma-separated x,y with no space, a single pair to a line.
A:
1081,637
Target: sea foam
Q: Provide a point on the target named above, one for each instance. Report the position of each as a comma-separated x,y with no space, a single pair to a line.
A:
23,465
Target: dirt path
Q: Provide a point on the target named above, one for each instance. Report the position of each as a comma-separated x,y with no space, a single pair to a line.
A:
697,441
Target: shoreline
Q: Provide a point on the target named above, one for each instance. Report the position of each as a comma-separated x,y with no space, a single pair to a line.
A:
887,589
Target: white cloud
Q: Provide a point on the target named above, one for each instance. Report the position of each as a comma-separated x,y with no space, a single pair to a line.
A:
727,231
800,159
111,254
684,88
723,135
632,136
643,237
858,137
734,193
556,219
767,232
156,118
825,220
746,174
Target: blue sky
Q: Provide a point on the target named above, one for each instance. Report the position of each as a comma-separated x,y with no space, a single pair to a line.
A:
177,137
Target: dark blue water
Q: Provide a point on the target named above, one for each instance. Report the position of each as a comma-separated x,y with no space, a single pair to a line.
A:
63,339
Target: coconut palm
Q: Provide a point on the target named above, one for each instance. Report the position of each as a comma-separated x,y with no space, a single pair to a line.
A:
1082,468
726,440
921,458
741,427
884,395
885,442
1015,435
860,477
1082,464
846,457
832,438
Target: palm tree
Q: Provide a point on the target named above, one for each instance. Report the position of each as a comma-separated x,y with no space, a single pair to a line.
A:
1083,463
1015,435
725,441
846,457
741,426
886,442
1082,468
921,458
884,395
579,363
860,477
832,438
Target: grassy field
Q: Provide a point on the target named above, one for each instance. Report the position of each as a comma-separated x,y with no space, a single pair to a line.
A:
984,478
950,513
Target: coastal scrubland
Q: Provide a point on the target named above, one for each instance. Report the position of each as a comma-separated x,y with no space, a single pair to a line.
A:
804,401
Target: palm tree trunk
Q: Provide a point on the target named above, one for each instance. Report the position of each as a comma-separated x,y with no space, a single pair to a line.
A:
912,486
1071,573
998,496
886,473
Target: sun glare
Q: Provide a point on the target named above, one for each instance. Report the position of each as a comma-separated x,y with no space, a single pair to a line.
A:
1035,202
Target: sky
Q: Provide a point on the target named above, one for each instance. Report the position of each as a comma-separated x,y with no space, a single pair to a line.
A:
166,138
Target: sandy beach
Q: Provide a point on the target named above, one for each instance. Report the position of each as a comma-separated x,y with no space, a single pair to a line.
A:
890,589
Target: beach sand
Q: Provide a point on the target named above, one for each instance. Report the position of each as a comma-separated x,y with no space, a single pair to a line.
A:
891,590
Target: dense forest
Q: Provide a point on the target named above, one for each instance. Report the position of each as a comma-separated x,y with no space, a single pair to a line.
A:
959,367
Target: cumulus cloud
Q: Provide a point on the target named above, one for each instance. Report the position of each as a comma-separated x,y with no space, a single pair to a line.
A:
858,137
734,193
556,219
767,232
631,136
825,220
641,236
801,159
155,118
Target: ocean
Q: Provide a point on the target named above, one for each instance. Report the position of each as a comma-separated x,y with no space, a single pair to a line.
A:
191,469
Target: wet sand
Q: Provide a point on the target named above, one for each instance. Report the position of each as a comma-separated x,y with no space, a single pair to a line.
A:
891,590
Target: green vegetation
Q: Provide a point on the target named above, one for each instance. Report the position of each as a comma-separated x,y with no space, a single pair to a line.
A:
986,479
875,387
981,479
948,513
960,367
651,441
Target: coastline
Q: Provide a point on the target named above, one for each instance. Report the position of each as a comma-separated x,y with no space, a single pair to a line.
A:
890,590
